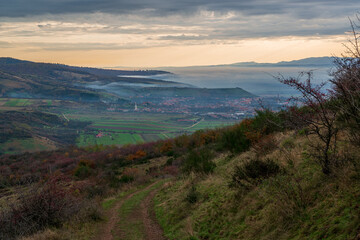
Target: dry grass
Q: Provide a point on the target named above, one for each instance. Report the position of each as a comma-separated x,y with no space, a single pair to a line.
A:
45,235
300,203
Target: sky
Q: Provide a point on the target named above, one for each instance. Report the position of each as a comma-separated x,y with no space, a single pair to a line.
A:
155,33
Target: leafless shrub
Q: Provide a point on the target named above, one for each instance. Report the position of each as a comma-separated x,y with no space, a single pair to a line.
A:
289,195
40,206
318,115
346,83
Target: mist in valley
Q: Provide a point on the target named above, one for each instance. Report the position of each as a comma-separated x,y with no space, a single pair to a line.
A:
257,80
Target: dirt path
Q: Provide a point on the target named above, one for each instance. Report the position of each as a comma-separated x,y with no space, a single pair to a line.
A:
195,124
153,230
143,213
106,234
65,117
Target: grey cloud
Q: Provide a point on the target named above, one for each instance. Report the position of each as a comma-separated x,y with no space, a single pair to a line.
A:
5,44
183,37
169,22
305,8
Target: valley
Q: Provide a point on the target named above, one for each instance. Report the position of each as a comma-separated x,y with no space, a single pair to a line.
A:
116,107
169,162
179,120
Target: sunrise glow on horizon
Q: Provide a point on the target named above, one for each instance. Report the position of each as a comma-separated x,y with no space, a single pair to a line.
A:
148,34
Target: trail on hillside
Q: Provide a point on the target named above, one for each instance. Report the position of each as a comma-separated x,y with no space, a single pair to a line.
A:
143,213
153,230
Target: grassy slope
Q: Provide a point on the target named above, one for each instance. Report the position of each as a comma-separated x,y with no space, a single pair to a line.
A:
302,203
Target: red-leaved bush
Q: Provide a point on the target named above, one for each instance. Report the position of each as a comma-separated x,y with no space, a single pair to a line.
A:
47,204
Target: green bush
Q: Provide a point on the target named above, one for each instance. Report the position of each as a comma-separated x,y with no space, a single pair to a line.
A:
126,179
82,171
268,122
193,195
199,161
235,140
95,190
253,173
169,161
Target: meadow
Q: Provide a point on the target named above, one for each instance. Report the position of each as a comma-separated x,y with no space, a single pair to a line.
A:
106,128
24,102
15,146
132,128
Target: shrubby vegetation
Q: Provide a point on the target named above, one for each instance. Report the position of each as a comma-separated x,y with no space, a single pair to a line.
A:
199,161
252,173
42,205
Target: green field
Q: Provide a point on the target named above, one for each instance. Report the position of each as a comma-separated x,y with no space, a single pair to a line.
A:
113,128
17,103
24,145
132,128
22,102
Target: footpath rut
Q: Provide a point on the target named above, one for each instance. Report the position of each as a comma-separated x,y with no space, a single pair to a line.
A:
152,230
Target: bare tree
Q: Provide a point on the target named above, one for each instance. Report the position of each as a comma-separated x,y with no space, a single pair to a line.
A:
317,115
346,83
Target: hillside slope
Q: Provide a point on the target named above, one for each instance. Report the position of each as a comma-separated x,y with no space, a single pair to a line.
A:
253,180
54,81
24,79
298,202
34,131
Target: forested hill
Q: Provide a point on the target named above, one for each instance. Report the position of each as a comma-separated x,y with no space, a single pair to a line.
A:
28,67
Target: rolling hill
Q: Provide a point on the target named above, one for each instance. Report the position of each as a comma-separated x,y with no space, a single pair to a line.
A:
54,81
34,131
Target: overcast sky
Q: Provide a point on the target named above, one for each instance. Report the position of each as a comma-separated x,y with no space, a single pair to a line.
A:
149,33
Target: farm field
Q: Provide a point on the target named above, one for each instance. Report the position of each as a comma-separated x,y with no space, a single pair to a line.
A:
26,145
131,128
18,103
107,128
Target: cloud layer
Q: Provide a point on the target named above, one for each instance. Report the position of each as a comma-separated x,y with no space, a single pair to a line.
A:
85,25
301,8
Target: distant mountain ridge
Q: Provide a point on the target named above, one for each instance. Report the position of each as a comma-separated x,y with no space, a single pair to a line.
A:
306,62
110,72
